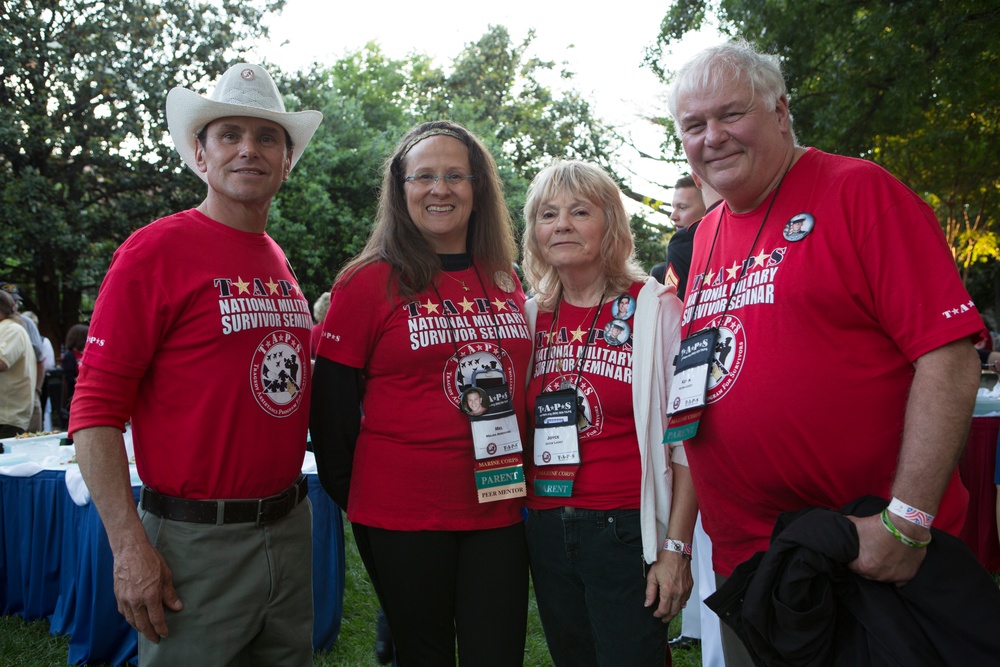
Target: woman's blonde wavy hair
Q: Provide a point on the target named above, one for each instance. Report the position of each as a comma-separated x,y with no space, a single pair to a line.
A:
590,182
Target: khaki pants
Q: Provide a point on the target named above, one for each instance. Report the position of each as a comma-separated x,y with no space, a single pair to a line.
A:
246,590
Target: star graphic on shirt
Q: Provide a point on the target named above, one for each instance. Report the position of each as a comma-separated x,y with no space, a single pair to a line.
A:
466,304
431,307
272,286
578,335
709,275
759,259
732,271
241,286
499,305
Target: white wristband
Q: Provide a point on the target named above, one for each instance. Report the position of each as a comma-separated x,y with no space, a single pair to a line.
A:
910,513
683,548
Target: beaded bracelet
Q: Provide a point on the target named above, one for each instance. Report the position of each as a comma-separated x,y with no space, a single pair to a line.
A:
910,513
887,522
683,548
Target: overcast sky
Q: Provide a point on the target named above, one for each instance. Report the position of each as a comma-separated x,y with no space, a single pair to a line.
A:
604,46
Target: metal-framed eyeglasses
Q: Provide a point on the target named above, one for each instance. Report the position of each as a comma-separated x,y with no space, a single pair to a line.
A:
430,180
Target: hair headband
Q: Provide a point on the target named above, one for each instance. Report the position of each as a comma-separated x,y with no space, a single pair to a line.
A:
429,133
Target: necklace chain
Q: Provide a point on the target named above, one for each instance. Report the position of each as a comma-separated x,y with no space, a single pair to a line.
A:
458,280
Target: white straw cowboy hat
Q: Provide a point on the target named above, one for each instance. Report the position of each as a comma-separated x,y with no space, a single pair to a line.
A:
244,90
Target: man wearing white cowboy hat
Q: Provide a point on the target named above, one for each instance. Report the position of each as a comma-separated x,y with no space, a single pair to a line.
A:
200,337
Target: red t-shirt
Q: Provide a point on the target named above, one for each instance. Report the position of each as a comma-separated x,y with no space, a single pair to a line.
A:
213,324
414,460
609,473
850,281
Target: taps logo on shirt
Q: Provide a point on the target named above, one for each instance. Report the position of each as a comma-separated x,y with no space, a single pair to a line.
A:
277,376
727,361
483,360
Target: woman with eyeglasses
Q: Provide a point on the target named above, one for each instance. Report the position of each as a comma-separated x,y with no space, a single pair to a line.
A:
428,315
605,495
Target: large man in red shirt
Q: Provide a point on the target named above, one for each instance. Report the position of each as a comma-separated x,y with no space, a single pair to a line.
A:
844,365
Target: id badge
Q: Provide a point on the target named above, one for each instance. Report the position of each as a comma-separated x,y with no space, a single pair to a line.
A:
689,388
557,440
494,425
690,385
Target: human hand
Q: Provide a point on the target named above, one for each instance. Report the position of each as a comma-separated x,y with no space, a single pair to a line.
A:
669,578
881,557
143,585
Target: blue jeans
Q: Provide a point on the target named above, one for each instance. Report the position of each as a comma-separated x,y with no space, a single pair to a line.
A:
590,584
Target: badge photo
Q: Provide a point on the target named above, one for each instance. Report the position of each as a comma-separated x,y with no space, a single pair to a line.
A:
474,402
798,227
617,332
504,281
624,307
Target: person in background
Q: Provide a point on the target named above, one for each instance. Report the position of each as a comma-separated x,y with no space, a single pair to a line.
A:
604,492
48,352
687,209
48,364
429,311
320,307
216,566
37,345
17,371
903,372
76,340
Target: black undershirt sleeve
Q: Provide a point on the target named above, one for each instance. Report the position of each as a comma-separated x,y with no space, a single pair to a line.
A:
334,424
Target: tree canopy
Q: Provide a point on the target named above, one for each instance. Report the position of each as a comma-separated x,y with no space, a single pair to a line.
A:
82,157
322,216
85,159
910,85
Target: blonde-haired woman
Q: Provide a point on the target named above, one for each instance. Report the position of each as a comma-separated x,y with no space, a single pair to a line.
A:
600,481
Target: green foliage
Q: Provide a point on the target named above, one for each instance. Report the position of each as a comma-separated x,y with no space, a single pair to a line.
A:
322,216
910,85
82,161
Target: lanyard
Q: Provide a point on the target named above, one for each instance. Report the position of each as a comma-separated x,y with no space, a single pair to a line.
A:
711,249
578,366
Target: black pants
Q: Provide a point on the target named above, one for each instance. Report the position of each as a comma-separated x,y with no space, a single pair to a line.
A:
436,586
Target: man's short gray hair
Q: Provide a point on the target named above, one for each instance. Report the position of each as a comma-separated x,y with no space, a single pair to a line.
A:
719,67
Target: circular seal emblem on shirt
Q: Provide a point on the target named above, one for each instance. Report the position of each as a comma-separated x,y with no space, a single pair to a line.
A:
277,373
798,227
730,352
504,281
247,74
482,362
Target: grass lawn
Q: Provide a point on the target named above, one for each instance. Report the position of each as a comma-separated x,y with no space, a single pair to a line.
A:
30,644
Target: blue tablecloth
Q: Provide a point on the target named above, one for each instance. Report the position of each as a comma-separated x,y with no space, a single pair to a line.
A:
55,563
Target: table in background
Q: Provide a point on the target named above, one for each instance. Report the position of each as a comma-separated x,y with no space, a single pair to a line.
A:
976,469
55,563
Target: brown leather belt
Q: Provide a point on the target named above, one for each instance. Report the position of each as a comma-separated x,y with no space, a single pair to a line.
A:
258,511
